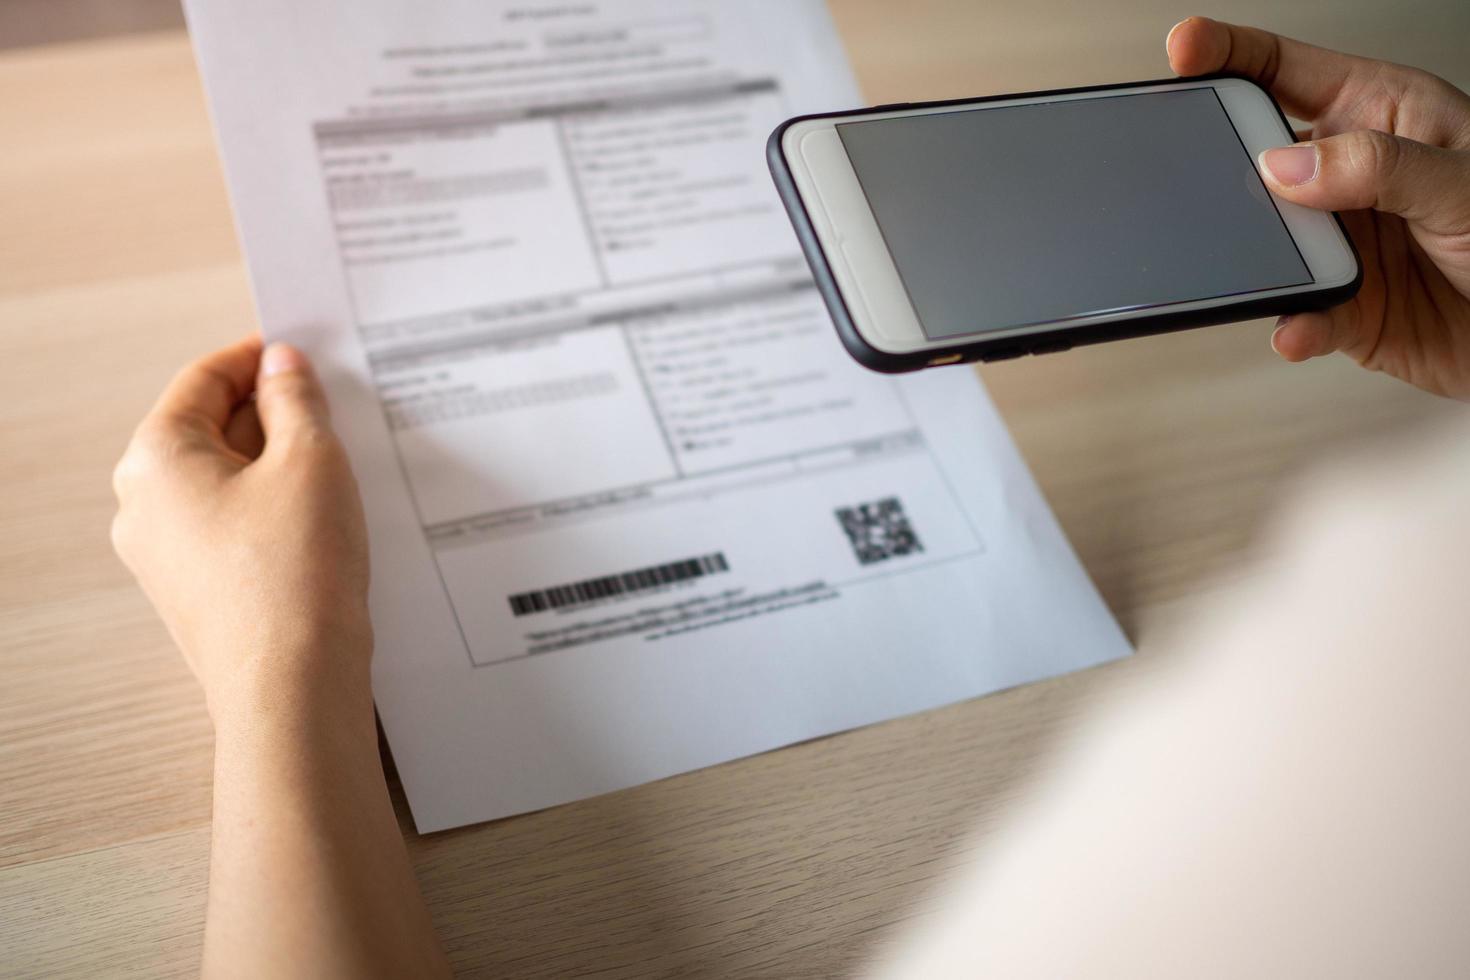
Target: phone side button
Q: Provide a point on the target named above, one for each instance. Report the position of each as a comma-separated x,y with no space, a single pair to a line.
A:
890,105
1002,353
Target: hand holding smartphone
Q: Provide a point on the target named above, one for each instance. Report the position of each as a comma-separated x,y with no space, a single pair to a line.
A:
989,228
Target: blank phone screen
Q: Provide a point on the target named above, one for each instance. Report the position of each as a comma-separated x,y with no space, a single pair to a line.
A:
1016,215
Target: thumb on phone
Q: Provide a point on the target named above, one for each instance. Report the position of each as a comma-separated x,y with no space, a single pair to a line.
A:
1370,169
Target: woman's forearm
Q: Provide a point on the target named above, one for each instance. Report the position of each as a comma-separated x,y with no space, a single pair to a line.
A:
239,514
309,875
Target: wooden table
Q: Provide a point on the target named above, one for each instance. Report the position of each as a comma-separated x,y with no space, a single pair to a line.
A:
118,262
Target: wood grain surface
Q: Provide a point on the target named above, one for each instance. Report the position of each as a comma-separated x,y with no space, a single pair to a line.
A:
1163,459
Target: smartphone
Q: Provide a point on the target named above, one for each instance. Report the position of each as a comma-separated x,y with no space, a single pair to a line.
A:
982,229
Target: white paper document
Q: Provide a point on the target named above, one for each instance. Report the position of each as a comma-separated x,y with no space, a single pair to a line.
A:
633,511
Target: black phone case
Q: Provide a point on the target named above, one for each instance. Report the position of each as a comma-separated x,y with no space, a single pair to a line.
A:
1045,342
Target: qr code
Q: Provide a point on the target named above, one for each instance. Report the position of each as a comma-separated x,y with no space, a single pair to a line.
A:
879,531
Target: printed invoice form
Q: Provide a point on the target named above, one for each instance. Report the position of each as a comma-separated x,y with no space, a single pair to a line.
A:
632,509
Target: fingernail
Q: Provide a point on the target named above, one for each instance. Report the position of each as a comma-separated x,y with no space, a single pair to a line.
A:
1291,166
1169,39
280,358
1276,331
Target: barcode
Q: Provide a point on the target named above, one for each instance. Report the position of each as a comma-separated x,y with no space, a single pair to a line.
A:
595,589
